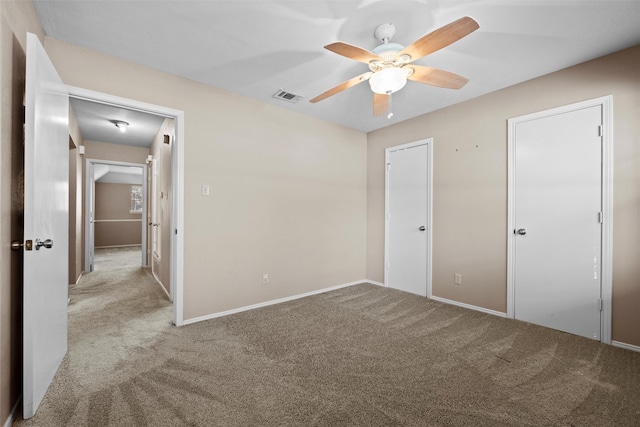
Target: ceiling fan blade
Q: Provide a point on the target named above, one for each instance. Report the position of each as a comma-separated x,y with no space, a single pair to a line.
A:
436,77
440,38
380,103
342,86
353,52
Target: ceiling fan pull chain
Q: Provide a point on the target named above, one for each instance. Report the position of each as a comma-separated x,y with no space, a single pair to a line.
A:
390,106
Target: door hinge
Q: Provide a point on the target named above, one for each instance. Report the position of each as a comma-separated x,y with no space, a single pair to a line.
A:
599,304
600,217
600,130
388,166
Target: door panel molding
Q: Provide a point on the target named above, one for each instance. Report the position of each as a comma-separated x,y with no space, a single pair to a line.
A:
606,104
428,142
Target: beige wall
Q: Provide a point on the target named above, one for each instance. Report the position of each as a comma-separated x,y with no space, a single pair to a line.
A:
113,202
470,184
162,153
288,192
97,150
16,18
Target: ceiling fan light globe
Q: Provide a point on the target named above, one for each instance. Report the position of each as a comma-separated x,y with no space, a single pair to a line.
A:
388,80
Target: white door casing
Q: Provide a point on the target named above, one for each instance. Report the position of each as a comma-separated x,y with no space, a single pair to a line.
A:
560,219
177,185
90,191
408,217
46,216
156,203
90,205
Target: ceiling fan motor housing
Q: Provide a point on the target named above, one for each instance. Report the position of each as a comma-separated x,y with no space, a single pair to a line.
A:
388,53
388,77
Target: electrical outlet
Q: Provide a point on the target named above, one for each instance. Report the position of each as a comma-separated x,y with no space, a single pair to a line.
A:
265,278
457,279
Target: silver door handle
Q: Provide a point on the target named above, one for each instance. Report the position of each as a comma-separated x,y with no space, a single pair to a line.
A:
422,228
47,244
521,231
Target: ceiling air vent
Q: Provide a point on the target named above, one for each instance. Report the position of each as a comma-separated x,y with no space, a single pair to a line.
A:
287,96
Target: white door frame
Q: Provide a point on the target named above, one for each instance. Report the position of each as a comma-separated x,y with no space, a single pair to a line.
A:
177,184
606,103
90,197
428,221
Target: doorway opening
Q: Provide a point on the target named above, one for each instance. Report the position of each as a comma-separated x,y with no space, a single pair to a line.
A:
171,135
115,214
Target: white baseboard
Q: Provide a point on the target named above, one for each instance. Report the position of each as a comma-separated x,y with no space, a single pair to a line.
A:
118,246
626,346
12,414
452,302
160,284
80,277
272,302
469,306
150,271
373,282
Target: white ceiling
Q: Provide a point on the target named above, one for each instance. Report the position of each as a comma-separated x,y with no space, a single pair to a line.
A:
255,48
95,122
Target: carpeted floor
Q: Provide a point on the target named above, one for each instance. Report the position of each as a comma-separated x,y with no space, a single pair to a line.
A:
363,355
112,258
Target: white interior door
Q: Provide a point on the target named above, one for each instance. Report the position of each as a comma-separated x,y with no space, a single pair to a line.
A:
557,221
46,226
407,218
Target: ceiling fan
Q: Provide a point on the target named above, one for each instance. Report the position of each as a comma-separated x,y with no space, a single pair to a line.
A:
390,64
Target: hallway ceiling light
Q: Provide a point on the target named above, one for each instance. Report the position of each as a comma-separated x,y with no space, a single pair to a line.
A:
120,125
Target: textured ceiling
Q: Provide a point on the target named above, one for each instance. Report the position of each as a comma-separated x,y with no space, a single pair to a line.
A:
255,48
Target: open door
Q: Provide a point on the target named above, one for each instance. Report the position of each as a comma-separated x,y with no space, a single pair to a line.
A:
46,224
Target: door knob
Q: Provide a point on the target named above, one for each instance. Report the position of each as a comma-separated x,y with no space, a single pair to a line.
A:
16,245
47,244
521,231
422,228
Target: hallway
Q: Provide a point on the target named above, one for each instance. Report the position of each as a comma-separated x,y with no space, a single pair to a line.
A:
113,258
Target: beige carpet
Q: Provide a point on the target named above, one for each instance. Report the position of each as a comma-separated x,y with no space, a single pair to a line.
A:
363,355
112,258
